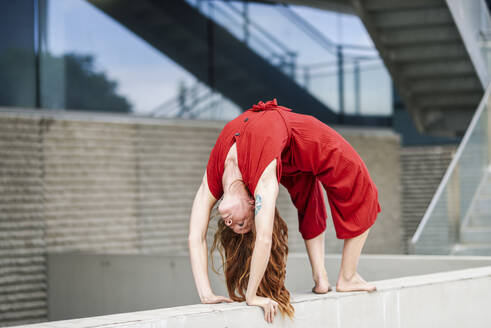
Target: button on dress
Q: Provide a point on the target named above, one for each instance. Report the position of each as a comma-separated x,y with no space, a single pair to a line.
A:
310,157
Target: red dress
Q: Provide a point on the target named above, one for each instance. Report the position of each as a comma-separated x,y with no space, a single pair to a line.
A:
309,155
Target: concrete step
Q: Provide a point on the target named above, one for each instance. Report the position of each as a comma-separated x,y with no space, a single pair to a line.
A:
483,204
422,53
449,100
385,5
419,35
441,120
420,40
437,69
479,234
413,17
480,219
468,83
472,249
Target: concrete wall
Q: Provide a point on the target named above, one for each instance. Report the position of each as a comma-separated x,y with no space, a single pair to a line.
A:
448,299
23,291
84,285
94,182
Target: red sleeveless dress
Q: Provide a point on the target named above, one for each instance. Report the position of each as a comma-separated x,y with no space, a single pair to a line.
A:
310,156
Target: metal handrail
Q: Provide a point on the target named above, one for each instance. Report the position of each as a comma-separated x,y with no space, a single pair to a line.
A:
310,30
315,34
453,164
262,30
173,104
197,98
263,44
278,54
332,73
335,63
268,36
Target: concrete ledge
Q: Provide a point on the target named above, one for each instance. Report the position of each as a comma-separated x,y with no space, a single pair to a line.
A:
132,118
448,299
87,285
104,117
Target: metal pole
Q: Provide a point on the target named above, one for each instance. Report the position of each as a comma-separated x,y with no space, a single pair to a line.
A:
37,52
181,99
306,77
340,82
245,14
292,65
211,47
357,88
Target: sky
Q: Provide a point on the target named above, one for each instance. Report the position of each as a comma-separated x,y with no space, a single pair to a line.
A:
148,78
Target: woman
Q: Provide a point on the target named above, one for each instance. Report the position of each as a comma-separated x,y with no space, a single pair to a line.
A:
264,146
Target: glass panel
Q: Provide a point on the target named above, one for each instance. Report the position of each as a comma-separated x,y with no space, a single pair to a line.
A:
198,102
437,238
375,88
349,88
292,38
17,54
441,224
102,65
367,88
105,66
473,164
323,83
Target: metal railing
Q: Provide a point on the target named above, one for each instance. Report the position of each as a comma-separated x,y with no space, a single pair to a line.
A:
236,19
438,231
196,101
343,82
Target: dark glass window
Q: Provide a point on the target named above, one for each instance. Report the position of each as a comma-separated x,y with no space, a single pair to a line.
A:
17,54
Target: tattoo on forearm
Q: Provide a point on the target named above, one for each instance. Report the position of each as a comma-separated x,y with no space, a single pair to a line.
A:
258,204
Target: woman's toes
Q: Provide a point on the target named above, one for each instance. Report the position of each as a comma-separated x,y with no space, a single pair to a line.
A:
355,284
356,288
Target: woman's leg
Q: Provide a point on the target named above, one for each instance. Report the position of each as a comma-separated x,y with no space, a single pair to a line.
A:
349,279
315,249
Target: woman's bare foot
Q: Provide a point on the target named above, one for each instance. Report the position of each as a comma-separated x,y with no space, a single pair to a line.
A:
356,283
322,285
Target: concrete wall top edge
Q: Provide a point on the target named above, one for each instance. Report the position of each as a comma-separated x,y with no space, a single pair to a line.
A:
150,317
102,117
410,257
122,118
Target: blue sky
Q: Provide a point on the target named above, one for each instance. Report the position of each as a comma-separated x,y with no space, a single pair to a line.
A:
148,78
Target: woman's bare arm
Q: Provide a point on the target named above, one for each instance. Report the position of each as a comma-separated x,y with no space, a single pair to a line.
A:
265,194
198,225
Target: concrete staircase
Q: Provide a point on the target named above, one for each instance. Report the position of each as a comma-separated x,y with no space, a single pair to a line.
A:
431,67
475,233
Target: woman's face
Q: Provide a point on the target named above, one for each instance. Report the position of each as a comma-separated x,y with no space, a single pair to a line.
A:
237,212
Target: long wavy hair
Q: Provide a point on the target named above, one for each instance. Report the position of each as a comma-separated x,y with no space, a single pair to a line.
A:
236,253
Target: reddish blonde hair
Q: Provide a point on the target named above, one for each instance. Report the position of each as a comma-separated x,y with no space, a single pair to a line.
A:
236,252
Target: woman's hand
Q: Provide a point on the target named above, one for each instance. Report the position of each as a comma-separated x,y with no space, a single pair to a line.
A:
269,306
213,299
